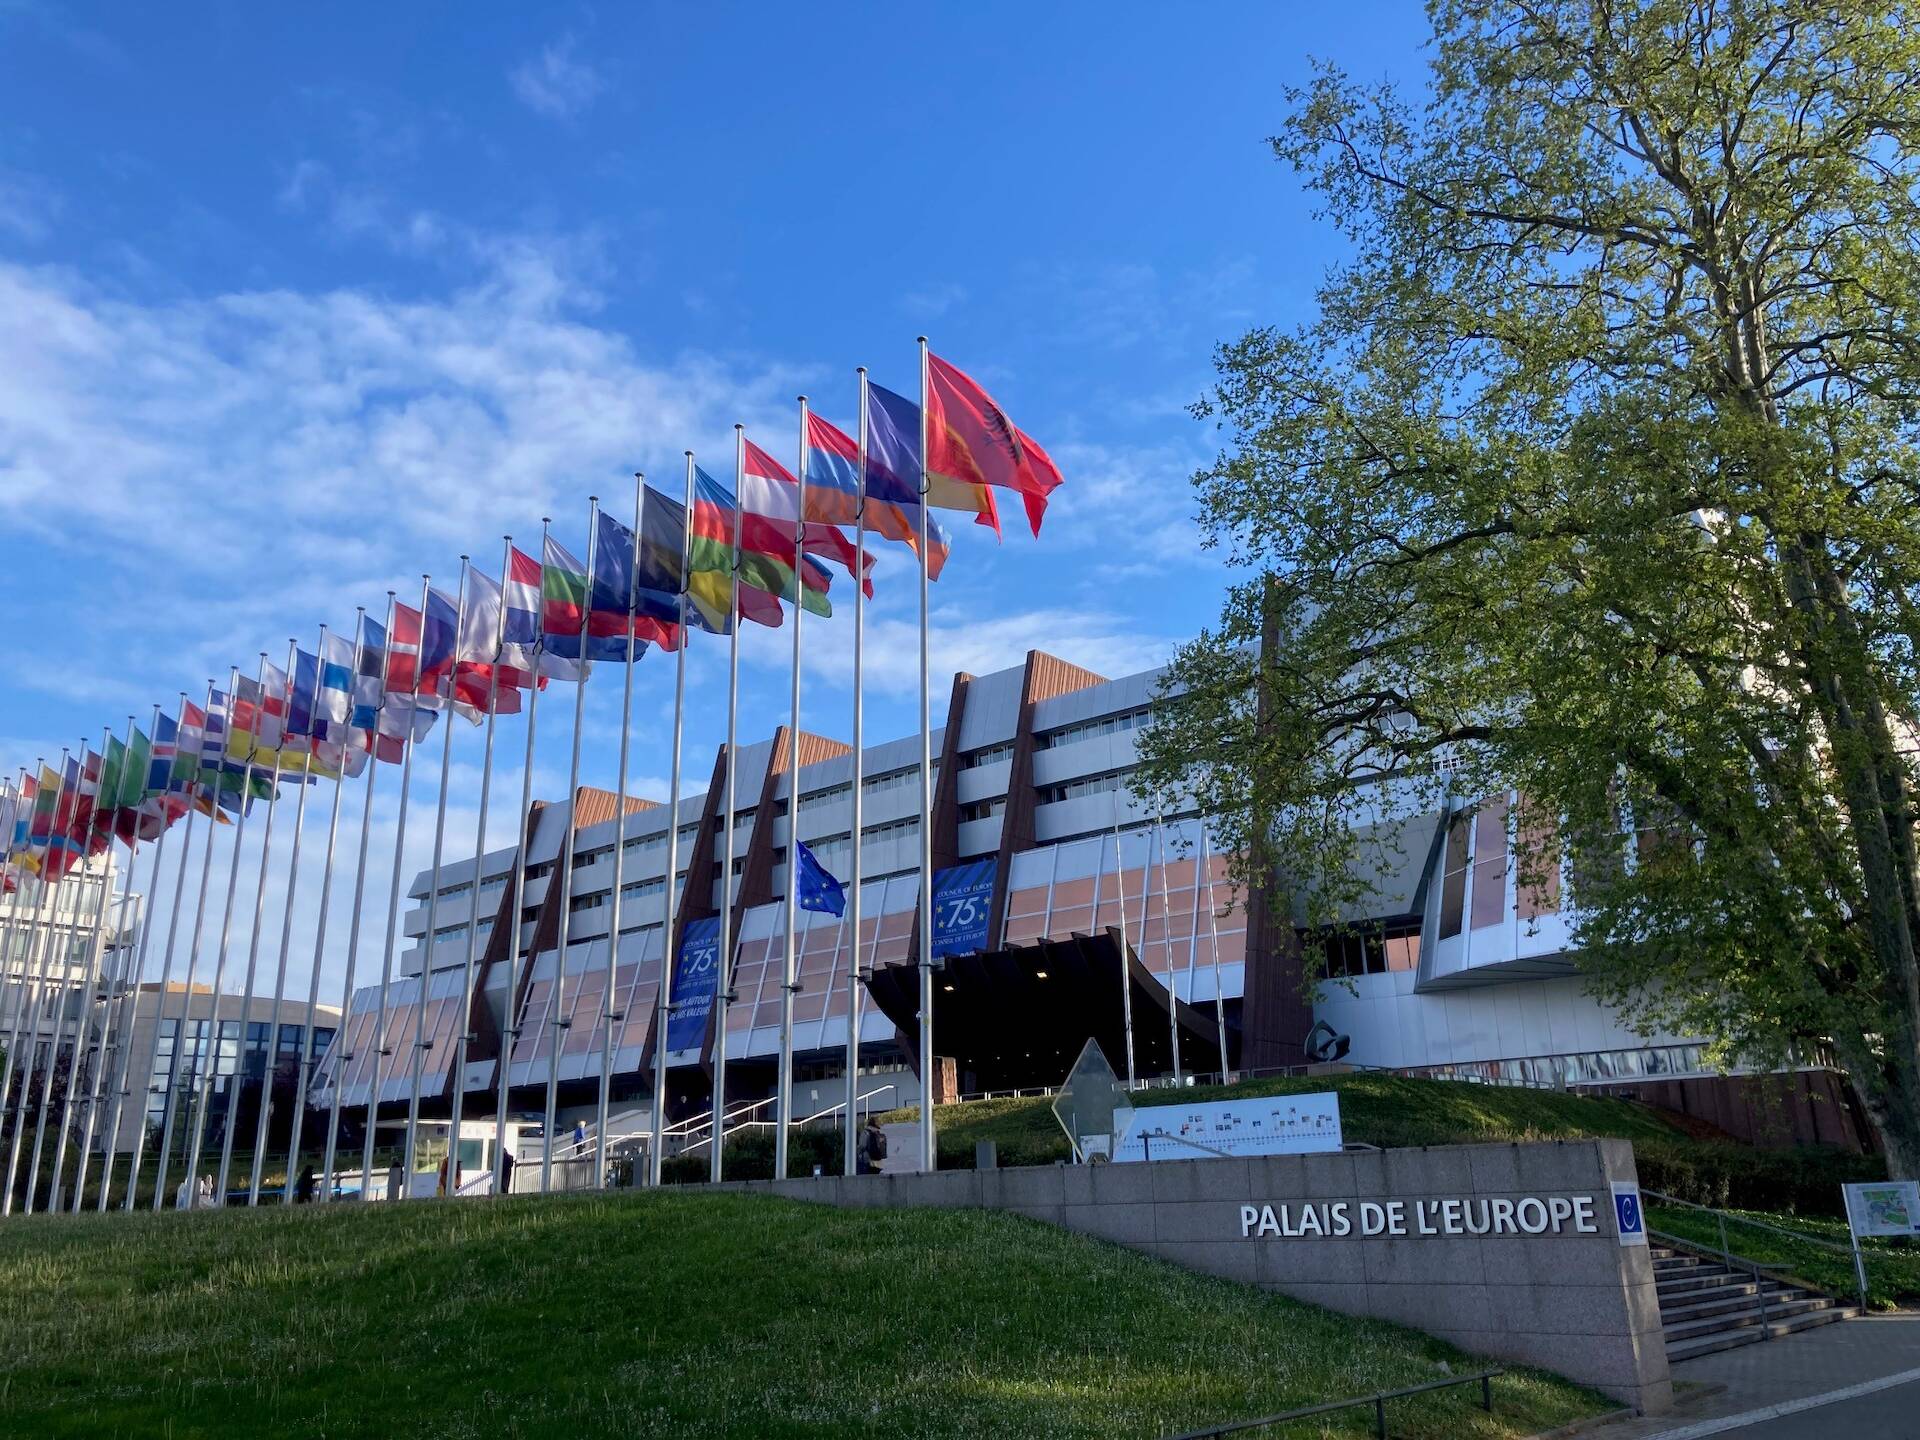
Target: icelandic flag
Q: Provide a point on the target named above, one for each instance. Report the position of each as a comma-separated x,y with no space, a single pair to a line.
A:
833,474
817,889
893,462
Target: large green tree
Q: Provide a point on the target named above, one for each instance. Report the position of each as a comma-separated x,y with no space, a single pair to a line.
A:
1595,479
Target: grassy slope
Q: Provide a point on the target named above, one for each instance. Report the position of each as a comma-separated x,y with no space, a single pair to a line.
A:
1385,1110
670,1314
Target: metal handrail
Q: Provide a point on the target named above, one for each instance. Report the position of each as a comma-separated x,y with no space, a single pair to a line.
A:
1755,1267
1485,1378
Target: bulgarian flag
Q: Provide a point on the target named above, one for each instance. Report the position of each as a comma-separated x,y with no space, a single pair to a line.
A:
970,441
770,494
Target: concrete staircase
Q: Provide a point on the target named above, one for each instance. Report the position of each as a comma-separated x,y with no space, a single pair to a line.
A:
1707,1306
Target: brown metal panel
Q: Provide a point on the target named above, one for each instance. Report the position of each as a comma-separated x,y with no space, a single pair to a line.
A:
1047,677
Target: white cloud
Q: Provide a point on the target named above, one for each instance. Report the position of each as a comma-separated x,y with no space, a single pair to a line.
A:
554,83
249,463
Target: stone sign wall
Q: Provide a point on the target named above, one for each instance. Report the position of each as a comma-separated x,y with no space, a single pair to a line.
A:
1512,1251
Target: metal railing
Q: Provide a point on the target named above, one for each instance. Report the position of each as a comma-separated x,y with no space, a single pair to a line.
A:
1735,1261
1484,1379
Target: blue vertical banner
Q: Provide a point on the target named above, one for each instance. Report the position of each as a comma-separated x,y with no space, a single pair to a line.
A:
696,980
962,906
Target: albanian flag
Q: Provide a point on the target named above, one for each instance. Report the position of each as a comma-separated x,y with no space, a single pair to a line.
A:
971,440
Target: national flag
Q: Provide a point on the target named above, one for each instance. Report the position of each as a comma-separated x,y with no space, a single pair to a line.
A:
480,673
520,637
420,649
769,493
893,462
618,589
384,723
766,560
815,888
970,441
660,571
563,597
303,696
833,475
260,708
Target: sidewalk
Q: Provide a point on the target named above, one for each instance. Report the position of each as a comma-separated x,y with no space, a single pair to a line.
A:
1829,1361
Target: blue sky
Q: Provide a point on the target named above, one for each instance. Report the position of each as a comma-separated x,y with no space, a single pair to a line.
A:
296,306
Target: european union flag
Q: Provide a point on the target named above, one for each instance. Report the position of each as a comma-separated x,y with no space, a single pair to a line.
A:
819,890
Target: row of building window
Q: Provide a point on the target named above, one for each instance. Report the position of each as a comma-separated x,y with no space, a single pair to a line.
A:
1087,785
1088,729
1346,954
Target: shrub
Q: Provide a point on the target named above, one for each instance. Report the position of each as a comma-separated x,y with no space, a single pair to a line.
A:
750,1157
1805,1180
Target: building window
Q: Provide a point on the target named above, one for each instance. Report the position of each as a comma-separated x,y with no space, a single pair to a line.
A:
983,809
1088,729
1490,864
988,755
1375,950
1453,878
1091,785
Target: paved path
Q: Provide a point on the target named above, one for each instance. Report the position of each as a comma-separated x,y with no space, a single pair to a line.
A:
1839,1361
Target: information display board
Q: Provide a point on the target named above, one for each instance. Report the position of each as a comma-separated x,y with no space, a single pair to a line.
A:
962,906
1886,1207
696,978
1271,1125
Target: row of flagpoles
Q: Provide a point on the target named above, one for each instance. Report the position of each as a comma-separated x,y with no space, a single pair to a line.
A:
702,563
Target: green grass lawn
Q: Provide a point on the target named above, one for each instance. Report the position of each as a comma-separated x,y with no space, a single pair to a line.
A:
1893,1269
1376,1109
673,1314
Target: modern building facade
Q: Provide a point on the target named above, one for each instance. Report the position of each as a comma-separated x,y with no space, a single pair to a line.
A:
60,949
1073,913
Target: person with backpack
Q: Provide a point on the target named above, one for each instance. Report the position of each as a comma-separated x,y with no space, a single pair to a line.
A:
873,1148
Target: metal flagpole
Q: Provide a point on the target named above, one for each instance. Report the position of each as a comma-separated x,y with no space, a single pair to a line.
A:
39,942
420,1041
723,982
663,997
345,1032
270,1064
238,1084
463,1018
608,1010
204,1099
393,900
1166,940
108,982
1126,978
129,1007
557,1020
790,965
1213,931
166,980
303,1076
928,1156
849,1158
12,928
180,1087
68,983
1193,941
20,943
509,1030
